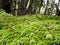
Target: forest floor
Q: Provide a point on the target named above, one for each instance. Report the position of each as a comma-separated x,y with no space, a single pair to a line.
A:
29,29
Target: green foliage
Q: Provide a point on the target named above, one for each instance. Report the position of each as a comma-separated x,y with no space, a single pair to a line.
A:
29,29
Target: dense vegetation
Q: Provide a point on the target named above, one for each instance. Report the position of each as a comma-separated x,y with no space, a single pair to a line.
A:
29,29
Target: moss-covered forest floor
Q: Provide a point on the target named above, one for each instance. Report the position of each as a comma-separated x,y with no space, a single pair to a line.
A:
29,29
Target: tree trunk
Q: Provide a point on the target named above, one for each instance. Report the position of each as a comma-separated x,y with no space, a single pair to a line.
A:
13,7
21,7
57,10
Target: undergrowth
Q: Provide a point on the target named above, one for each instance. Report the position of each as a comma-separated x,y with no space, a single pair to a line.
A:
29,29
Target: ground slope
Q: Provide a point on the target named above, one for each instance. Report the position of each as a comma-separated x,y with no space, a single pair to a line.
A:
29,29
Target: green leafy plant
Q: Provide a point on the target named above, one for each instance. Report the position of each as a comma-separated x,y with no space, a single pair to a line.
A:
29,30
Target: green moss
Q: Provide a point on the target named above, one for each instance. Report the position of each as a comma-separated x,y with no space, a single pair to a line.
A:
29,30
